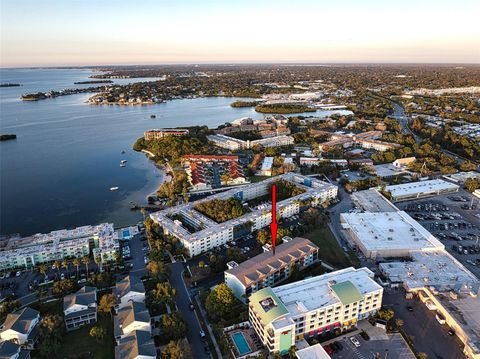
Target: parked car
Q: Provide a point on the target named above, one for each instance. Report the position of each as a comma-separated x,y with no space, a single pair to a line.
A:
202,334
355,341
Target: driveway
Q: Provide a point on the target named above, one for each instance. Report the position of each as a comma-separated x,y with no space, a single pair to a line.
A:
183,302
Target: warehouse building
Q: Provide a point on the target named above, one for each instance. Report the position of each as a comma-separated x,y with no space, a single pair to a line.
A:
408,191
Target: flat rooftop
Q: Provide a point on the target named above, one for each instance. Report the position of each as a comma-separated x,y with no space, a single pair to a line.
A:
422,187
389,231
314,352
437,269
321,291
209,227
265,263
371,200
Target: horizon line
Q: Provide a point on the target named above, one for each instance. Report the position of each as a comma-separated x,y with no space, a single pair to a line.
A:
240,63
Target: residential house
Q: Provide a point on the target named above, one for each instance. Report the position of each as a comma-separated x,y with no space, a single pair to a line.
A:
80,308
134,316
21,327
136,345
10,350
129,289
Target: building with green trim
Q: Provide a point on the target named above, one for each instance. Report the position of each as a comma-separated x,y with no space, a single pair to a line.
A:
313,306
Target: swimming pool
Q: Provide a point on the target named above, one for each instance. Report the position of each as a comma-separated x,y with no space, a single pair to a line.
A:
241,343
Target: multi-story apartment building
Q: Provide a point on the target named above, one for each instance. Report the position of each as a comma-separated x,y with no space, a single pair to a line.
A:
266,269
337,300
198,233
208,171
164,132
20,327
235,144
28,252
80,308
367,140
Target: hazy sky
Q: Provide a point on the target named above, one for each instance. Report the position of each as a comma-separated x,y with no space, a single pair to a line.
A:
96,32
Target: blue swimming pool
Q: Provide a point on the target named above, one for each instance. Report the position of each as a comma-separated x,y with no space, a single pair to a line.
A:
126,233
241,343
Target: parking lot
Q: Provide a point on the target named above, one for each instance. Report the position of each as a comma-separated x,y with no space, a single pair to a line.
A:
381,345
455,220
429,336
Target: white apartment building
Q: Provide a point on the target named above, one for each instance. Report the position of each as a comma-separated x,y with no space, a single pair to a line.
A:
28,252
266,269
333,301
199,234
234,144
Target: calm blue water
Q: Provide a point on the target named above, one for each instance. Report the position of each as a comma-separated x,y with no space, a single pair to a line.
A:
58,172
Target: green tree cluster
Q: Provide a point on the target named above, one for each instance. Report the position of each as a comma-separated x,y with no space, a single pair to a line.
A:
221,210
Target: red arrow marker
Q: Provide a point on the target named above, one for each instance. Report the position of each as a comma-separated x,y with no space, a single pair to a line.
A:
274,225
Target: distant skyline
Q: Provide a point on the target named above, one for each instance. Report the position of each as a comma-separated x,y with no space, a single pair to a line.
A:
117,32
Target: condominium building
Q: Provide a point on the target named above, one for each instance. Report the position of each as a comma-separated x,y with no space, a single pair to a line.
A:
28,252
322,304
266,168
367,140
266,269
164,132
207,171
235,144
80,308
21,327
199,233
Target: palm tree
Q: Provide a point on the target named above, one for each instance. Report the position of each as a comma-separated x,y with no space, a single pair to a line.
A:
57,265
86,261
76,262
43,268
66,264
98,261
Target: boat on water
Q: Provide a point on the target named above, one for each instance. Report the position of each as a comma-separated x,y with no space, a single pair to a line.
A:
153,116
113,189
122,162
123,152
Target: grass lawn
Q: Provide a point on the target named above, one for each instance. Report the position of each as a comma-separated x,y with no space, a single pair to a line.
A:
79,344
330,251
255,179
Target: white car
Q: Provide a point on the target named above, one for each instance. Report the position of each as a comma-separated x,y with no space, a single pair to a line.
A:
18,274
355,341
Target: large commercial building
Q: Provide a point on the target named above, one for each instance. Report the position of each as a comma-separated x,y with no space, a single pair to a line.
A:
164,132
199,234
28,252
266,269
337,300
207,172
408,191
388,234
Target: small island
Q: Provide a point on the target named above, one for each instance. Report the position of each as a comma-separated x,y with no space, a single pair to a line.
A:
8,137
238,104
283,108
9,85
93,82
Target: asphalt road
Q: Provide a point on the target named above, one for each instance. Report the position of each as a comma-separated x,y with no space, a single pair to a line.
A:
183,302
429,335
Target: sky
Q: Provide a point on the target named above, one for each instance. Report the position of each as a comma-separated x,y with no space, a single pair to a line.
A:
115,32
